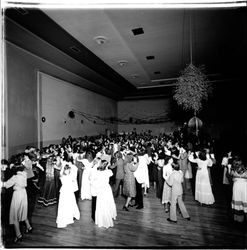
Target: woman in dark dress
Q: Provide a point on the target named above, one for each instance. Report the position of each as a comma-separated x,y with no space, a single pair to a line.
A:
49,194
57,164
160,179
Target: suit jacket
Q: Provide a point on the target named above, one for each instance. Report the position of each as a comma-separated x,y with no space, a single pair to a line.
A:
175,181
120,168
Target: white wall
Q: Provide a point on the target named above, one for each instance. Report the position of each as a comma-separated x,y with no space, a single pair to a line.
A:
145,109
22,125
20,98
58,97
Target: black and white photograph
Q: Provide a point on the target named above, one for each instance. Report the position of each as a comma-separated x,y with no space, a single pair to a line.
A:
123,124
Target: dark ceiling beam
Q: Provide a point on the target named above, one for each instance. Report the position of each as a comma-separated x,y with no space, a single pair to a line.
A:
44,27
73,71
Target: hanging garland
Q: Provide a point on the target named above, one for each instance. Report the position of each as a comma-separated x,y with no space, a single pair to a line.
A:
152,119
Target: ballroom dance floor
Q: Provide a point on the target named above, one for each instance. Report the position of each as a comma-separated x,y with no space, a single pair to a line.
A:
146,228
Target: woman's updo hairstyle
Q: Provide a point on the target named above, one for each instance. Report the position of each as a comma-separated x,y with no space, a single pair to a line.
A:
103,165
129,157
175,166
202,155
167,158
238,166
17,168
66,167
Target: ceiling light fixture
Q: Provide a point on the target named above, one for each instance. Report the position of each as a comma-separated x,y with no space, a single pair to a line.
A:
122,63
100,40
138,31
134,76
150,57
75,49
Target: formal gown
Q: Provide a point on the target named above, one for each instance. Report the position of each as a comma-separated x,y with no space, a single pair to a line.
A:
239,192
144,160
49,194
166,195
106,210
85,183
203,190
67,206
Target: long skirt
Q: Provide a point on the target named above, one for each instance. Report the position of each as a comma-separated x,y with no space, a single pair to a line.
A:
106,210
48,196
166,195
18,206
239,195
67,208
85,185
57,182
203,192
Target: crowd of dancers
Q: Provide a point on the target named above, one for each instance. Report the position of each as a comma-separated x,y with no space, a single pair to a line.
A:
100,168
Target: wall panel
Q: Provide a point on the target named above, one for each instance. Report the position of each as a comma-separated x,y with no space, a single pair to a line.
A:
21,76
59,97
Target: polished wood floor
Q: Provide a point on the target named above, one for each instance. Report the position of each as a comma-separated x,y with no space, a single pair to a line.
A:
147,228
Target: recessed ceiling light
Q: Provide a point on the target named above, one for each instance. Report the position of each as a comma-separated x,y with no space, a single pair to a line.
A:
100,39
138,31
150,57
134,76
122,63
75,49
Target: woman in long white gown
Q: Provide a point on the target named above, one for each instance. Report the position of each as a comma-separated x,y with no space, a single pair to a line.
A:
85,183
203,190
106,210
167,171
67,207
144,160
